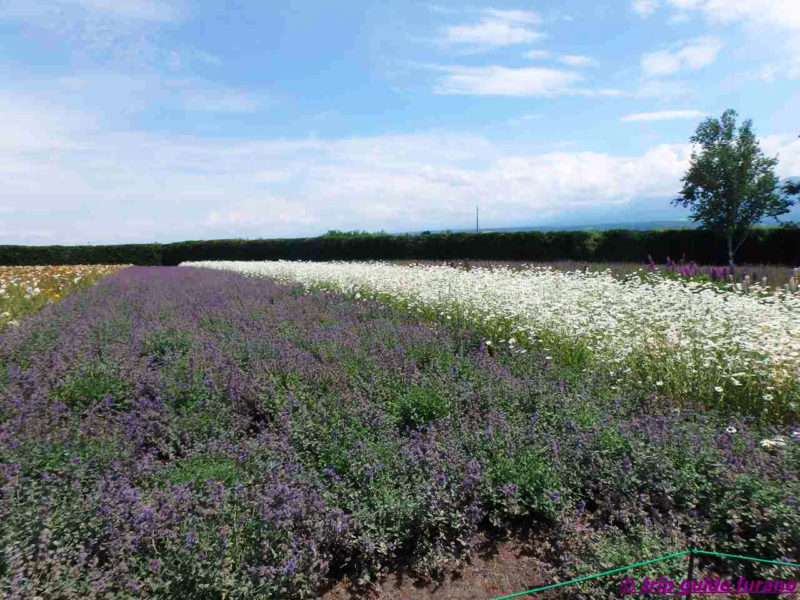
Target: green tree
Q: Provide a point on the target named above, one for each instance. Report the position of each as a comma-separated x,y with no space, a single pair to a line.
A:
730,185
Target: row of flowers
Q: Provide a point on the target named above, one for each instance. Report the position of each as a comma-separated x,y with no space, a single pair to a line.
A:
691,337
26,289
727,274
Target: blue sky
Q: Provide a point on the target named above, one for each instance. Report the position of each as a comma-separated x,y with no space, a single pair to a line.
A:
164,120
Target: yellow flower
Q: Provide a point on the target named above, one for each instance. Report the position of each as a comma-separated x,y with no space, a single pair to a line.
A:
57,296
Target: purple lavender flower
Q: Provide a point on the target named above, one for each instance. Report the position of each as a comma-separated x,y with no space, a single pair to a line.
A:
191,539
331,473
290,566
509,490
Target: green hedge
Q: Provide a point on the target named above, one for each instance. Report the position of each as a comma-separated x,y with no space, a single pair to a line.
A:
137,254
768,246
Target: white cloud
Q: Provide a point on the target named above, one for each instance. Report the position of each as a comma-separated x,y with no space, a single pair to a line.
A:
773,25
645,8
537,54
28,124
220,100
513,16
108,31
786,65
783,14
269,176
32,237
688,55
502,81
577,60
146,10
678,18
572,60
80,184
663,115
117,98
788,68
787,148
522,118
496,28
607,93
665,91
176,59
259,211
41,11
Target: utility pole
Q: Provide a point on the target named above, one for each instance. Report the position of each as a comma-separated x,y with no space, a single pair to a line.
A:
477,230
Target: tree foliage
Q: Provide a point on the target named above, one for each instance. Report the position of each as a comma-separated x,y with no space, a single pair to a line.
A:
730,185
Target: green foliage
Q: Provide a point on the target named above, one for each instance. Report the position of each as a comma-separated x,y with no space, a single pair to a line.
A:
604,550
92,383
730,186
536,484
335,233
430,358
136,254
791,188
777,245
35,342
36,457
419,405
201,469
165,345
747,515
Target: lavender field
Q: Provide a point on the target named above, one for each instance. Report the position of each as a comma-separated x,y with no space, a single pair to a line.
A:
177,432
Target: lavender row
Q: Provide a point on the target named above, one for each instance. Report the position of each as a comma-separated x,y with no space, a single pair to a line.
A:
193,433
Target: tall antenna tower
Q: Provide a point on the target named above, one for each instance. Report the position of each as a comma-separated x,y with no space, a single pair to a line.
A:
477,230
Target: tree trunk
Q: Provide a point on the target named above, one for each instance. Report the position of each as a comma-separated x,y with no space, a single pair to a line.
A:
730,250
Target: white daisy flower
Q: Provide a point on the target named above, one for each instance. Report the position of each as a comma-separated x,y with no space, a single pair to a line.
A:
776,443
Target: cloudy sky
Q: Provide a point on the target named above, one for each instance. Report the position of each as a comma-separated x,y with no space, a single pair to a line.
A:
165,120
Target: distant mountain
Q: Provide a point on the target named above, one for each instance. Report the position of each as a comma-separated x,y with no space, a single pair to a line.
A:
640,225
644,215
